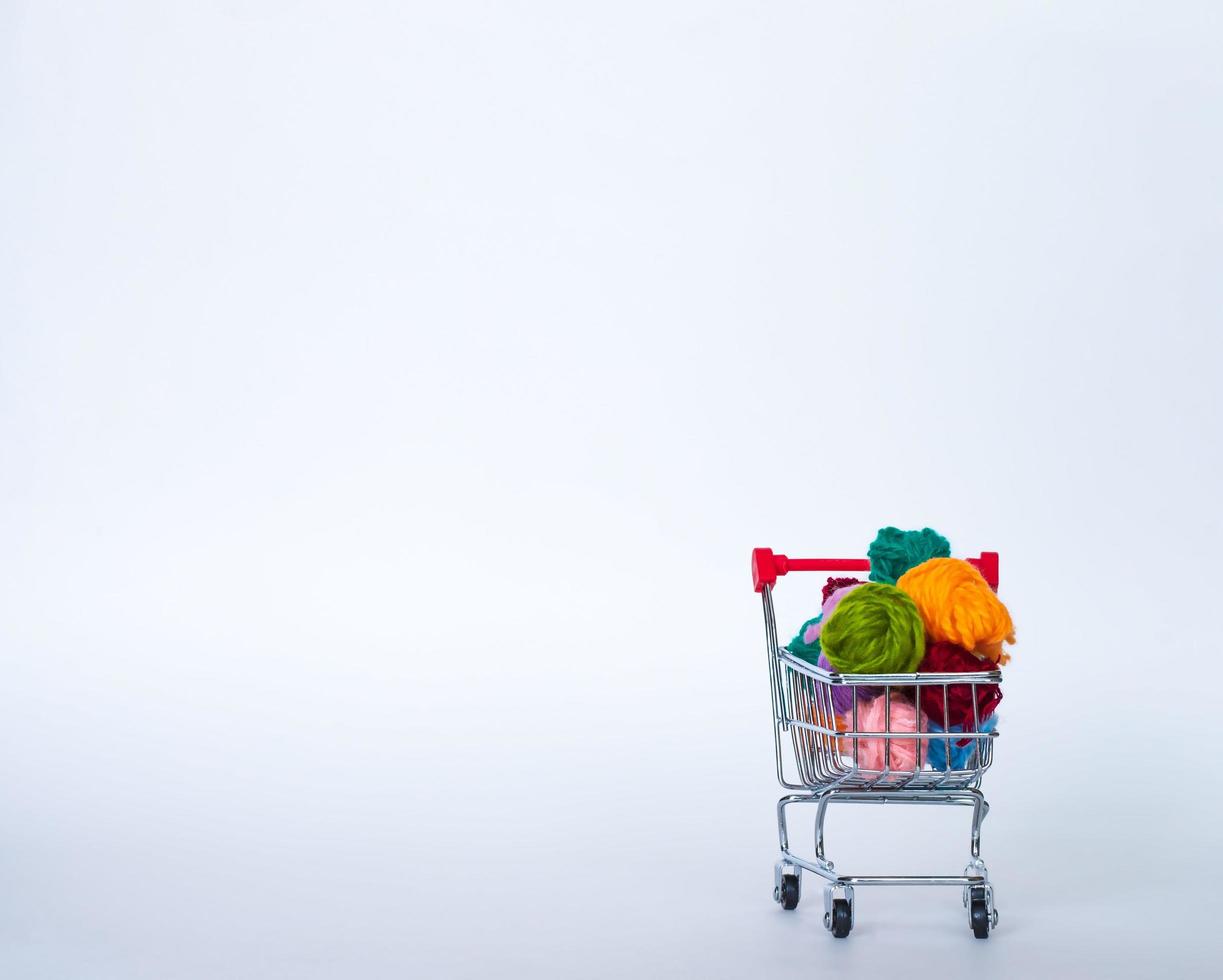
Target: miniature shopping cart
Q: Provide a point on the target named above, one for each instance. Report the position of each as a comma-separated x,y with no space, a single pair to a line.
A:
826,757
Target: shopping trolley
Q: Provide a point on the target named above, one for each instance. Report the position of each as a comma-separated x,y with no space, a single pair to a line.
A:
826,759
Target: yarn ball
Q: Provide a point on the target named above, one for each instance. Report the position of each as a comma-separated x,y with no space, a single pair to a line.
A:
906,754
947,658
812,706
806,642
961,754
834,598
833,584
843,695
876,629
894,552
836,744
958,606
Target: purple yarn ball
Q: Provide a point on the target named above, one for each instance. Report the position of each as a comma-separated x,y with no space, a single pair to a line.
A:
842,697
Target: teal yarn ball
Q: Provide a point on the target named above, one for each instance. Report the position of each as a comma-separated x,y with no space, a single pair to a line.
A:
894,552
876,629
799,646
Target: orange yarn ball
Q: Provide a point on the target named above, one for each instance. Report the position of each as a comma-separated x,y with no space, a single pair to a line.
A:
958,606
842,745
817,709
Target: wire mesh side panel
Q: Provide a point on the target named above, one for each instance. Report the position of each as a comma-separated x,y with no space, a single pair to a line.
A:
813,730
883,739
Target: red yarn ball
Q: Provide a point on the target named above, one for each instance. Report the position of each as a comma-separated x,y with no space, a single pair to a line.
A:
838,583
947,658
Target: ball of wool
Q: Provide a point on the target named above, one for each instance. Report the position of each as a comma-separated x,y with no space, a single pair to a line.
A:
843,695
961,750
906,754
958,606
947,658
894,552
836,744
806,642
876,629
834,598
834,583
812,706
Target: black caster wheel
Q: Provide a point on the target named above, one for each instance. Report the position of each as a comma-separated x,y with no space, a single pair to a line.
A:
979,914
842,919
789,892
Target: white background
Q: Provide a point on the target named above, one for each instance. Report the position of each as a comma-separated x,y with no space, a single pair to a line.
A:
391,394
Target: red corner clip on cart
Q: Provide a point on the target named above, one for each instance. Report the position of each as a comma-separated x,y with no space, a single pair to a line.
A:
826,759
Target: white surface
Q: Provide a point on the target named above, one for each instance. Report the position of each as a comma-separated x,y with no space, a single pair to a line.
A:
391,395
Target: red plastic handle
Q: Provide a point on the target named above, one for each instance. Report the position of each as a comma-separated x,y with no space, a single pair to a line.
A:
766,566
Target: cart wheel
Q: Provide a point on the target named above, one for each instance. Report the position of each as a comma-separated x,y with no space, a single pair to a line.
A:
842,918
790,891
979,914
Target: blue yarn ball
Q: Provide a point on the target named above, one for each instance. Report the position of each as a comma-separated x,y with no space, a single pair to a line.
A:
961,755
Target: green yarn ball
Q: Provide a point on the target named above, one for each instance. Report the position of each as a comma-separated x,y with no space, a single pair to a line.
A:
894,552
876,629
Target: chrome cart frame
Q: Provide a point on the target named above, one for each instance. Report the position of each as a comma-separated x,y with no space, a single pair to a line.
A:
824,753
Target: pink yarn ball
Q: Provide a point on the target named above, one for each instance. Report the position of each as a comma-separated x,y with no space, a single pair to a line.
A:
812,633
833,600
907,754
